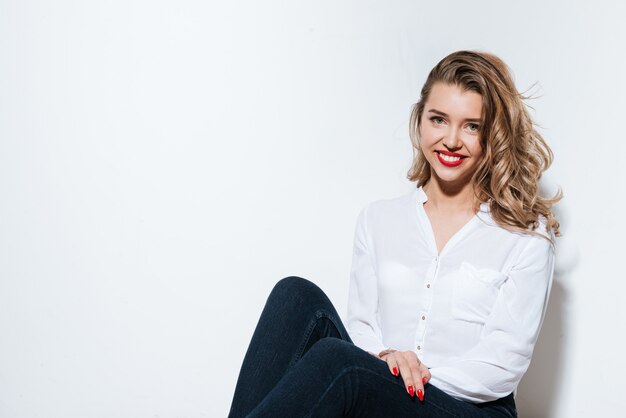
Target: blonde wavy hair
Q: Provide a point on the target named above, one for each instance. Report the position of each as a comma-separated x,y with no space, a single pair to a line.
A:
514,154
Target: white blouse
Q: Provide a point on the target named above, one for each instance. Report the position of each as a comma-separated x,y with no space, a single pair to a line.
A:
472,313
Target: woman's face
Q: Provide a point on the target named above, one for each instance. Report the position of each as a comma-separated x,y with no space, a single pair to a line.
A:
450,133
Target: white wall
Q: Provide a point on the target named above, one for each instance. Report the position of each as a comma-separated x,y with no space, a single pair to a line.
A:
164,163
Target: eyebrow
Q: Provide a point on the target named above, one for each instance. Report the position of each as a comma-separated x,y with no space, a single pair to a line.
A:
439,112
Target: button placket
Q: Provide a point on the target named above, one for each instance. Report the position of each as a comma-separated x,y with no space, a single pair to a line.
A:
421,328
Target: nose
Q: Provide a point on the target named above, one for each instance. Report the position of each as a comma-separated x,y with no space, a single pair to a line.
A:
452,140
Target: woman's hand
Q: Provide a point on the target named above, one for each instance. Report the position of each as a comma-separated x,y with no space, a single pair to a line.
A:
414,373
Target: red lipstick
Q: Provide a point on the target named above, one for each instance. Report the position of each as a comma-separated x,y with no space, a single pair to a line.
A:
451,154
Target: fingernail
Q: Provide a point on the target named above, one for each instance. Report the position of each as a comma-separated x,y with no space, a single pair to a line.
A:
420,394
411,391
395,371
423,380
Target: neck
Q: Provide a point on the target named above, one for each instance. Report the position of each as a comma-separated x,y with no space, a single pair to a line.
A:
450,198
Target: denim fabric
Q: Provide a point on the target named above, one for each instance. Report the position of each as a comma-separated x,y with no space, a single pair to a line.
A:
302,363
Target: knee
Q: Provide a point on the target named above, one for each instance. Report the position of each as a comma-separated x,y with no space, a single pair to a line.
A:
294,287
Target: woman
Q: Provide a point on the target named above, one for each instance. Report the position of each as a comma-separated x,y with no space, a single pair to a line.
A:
449,283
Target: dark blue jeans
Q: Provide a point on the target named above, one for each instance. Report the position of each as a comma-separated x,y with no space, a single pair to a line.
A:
302,363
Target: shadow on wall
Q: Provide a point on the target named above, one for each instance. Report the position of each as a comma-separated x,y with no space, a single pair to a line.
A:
538,391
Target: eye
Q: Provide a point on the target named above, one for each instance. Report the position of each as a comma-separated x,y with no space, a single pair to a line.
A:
437,120
474,127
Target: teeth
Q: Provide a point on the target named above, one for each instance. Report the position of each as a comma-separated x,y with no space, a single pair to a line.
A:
449,158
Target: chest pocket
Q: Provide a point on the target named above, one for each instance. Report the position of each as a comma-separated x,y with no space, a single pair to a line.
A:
474,292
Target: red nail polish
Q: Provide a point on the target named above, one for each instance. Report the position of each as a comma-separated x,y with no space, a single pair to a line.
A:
411,391
420,395
423,380
395,371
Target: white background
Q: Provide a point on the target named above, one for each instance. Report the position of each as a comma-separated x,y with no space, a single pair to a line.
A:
164,163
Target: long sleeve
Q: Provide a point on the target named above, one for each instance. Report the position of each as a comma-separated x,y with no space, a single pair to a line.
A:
495,365
362,321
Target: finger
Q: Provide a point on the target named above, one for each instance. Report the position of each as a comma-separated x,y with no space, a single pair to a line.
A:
392,364
407,375
416,372
425,376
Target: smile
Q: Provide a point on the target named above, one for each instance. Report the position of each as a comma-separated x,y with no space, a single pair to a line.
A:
449,160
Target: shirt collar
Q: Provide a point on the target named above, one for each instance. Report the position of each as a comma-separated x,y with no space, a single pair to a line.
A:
421,198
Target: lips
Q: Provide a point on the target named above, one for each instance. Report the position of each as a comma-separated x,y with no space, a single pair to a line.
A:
450,159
